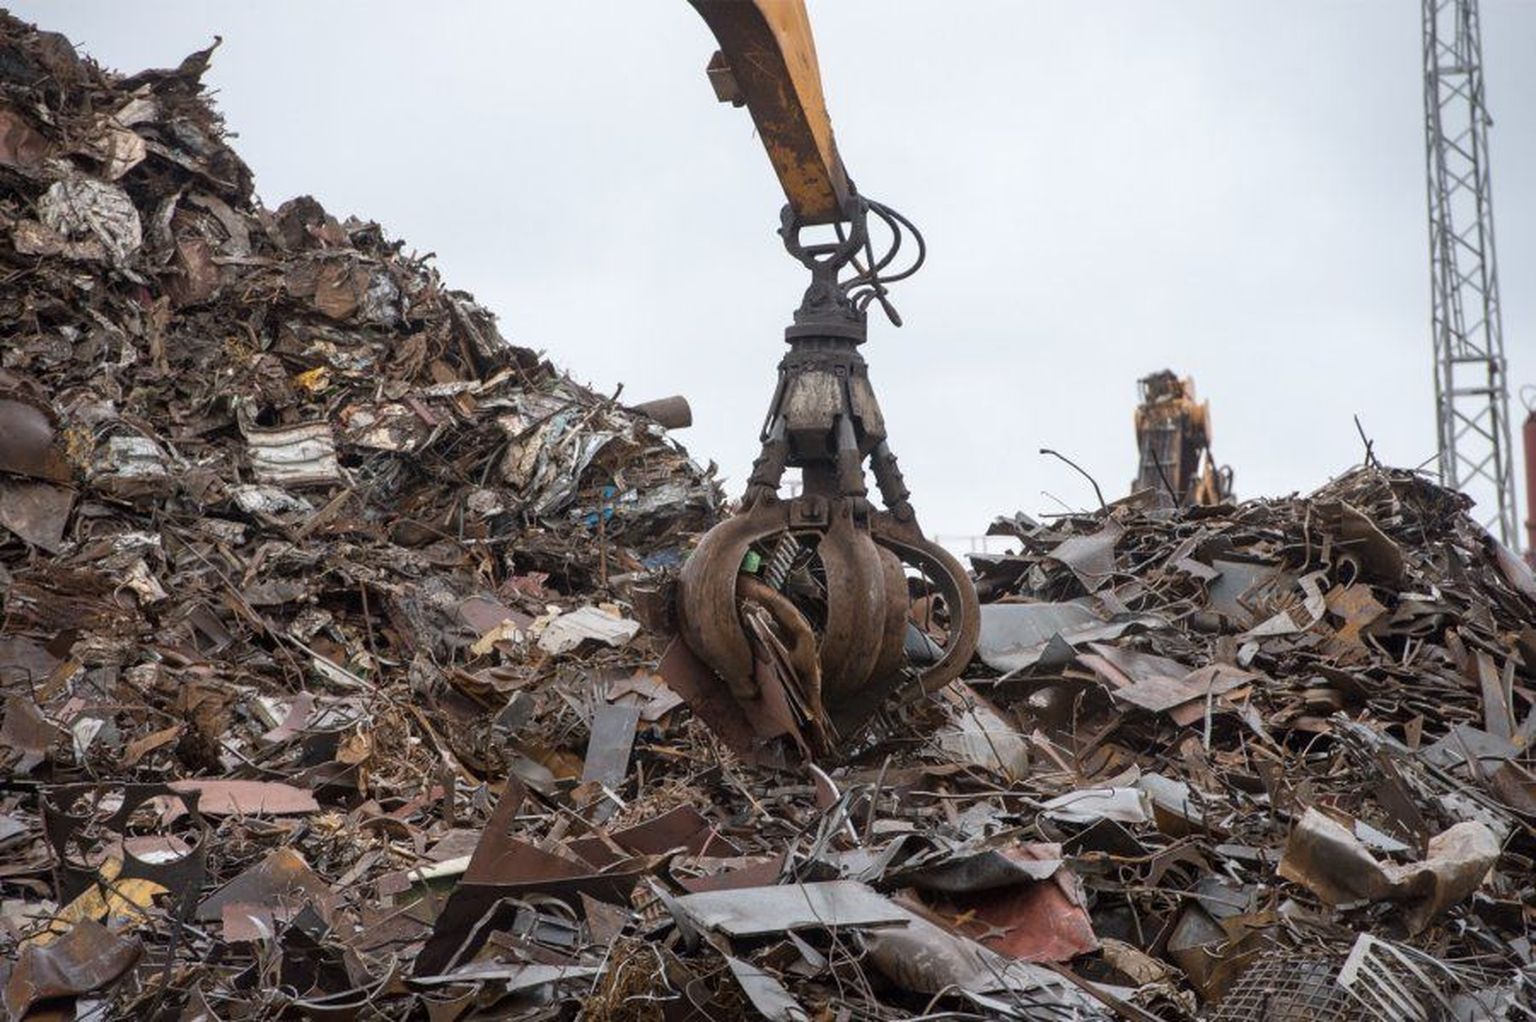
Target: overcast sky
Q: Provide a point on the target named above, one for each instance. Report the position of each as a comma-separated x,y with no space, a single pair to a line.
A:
1231,190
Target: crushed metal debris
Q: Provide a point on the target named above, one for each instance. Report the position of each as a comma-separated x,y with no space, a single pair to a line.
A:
339,682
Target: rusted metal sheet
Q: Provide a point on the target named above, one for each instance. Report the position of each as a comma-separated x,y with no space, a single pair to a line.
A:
86,959
247,798
38,512
281,882
29,443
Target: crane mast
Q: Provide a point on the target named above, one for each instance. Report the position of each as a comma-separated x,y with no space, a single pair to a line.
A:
1471,394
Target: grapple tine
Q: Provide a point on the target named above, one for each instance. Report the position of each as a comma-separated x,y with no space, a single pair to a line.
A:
897,605
953,584
851,640
854,707
706,604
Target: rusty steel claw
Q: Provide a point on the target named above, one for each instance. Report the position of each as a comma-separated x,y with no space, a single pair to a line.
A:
801,606
908,543
858,590
706,594
861,630
850,659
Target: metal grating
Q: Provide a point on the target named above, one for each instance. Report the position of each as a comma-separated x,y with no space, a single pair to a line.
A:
1289,986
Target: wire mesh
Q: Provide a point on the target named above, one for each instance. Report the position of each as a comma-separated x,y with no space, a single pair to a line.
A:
1288,986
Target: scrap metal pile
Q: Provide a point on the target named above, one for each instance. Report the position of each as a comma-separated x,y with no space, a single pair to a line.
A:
327,694
1287,743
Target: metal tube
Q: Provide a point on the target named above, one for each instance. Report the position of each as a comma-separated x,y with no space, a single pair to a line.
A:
1530,487
671,412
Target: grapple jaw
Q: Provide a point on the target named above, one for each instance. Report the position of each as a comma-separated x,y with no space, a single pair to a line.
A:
803,611
803,606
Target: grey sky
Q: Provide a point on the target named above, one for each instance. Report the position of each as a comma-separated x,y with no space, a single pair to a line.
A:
1231,190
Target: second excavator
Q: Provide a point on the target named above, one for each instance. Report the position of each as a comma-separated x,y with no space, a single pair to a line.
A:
1173,444
804,606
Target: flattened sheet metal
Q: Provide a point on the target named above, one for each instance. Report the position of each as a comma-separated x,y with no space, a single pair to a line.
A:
978,733
301,455
282,878
1237,581
28,444
568,631
683,827
756,911
20,144
1014,636
229,797
35,511
767,994
1039,922
510,977
608,748
1091,558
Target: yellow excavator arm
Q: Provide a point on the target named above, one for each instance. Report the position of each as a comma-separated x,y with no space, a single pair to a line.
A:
767,62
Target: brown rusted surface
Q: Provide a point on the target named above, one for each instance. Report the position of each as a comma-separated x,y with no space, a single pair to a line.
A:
1528,438
29,443
247,798
953,584
706,596
21,145
845,655
855,623
669,412
353,673
36,511
85,959
281,883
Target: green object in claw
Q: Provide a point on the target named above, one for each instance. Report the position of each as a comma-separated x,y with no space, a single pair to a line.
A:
751,562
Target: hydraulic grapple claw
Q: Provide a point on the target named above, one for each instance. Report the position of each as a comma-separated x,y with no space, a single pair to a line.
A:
802,606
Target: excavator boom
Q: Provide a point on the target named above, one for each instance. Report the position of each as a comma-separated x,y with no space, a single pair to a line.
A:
767,61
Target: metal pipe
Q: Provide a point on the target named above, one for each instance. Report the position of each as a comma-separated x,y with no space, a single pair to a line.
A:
1530,487
671,412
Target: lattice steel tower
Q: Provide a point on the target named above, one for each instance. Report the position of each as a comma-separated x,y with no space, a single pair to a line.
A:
1471,396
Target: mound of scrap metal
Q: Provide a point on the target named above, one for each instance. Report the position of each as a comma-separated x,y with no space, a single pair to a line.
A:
327,693
1283,744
